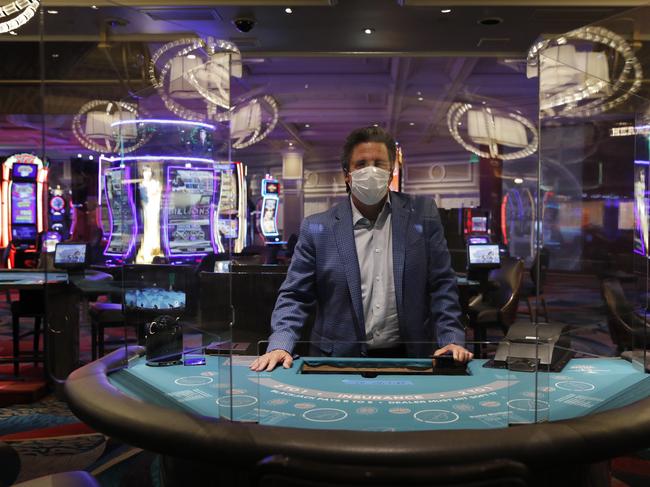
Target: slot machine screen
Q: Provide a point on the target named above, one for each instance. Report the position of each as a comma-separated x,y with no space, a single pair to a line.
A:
479,224
23,203
482,256
23,171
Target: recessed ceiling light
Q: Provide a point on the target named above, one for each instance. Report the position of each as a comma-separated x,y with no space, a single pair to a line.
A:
13,33
94,7
420,98
411,124
446,11
55,55
368,30
306,85
518,180
78,156
90,157
375,125
191,56
53,12
288,10
419,93
290,144
307,125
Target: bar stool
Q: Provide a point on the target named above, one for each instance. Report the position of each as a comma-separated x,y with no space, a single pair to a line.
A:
29,305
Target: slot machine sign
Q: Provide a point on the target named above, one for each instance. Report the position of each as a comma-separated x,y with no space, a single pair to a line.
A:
188,210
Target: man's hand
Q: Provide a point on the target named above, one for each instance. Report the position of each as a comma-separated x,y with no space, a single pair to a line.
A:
459,353
269,360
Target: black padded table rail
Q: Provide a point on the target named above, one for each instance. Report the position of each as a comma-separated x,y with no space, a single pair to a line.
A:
181,434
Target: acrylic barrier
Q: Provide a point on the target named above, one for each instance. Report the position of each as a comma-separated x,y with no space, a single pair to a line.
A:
383,394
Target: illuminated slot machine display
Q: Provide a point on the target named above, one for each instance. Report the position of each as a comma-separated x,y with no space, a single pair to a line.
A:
162,200
24,183
59,211
122,222
270,206
477,229
188,211
231,208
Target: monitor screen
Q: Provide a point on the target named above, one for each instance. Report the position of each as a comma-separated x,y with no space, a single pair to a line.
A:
24,171
70,255
23,233
483,255
479,224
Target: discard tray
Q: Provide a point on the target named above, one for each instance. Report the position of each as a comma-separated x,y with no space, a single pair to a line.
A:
375,368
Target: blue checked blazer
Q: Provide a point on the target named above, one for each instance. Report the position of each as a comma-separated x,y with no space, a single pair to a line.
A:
324,276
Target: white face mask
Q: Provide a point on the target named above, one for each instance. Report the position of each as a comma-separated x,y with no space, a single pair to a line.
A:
370,184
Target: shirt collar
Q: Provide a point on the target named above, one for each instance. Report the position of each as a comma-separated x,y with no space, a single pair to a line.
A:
358,218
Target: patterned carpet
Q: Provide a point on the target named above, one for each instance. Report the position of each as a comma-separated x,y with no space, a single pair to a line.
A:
45,436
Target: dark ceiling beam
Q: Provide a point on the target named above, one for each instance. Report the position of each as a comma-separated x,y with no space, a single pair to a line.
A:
193,3
400,69
459,70
521,3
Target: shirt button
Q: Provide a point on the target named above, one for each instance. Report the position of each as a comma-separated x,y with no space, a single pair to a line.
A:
377,250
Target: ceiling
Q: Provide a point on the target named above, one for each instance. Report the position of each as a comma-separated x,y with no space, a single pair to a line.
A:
327,76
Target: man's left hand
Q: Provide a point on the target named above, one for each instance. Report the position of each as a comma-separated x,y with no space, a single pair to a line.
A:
459,353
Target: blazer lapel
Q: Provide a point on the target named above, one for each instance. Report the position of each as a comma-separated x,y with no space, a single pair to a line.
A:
344,233
400,217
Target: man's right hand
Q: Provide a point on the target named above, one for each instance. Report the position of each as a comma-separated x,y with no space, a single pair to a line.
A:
269,360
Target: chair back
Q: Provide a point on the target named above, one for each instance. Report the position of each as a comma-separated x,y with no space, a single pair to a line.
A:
514,277
625,326
541,262
282,471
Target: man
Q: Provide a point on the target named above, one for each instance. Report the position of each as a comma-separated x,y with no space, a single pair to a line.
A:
376,266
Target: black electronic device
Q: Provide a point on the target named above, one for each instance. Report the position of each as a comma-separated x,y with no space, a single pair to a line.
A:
528,348
164,341
71,256
483,256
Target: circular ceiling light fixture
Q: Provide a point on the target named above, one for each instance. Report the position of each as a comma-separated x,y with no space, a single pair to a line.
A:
16,14
493,128
92,127
252,121
569,90
368,30
181,78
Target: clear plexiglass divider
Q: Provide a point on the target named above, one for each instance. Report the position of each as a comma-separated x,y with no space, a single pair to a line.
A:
343,385
593,179
175,203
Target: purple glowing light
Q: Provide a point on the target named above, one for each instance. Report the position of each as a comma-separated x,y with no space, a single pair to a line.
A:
168,191
131,200
202,160
159,121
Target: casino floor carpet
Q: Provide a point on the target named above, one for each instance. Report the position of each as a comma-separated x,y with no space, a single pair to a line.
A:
48,438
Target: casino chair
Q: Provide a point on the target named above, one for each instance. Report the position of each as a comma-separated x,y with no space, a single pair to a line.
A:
30,304
283,471
533,291
496,307
103,316
626,327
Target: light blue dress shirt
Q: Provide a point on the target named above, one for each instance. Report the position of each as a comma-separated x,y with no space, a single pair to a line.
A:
374,245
